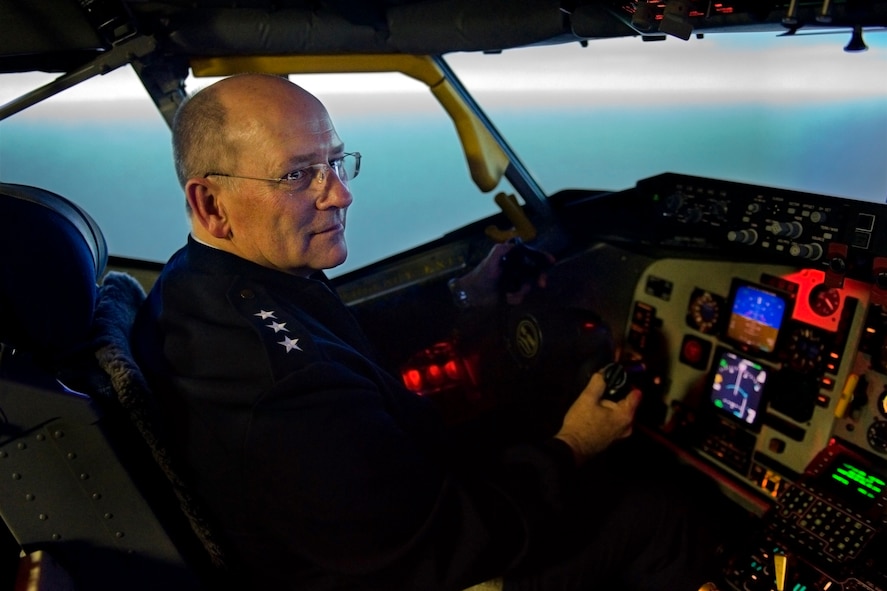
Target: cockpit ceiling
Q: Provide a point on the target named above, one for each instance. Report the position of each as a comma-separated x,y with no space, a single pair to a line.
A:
59,35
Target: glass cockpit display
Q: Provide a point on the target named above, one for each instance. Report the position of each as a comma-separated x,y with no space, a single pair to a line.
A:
737,387
756,316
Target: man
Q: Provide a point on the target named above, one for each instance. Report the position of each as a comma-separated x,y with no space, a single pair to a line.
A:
321,469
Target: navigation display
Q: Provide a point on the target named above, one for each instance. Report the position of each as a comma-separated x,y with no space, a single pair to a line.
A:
737,387
756,315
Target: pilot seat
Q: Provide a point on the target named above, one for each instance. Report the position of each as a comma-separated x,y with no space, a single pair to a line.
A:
89,490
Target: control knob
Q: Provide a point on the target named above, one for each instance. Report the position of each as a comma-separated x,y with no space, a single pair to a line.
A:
877,436
674,202
792,229
811,252
693,215
749,236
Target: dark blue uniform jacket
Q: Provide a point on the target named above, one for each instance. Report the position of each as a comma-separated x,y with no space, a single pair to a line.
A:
322,470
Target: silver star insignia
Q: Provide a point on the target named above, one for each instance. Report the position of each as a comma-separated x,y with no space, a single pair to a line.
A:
278,326
290,344
265,314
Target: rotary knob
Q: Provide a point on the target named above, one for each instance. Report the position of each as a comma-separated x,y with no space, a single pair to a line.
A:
811,252
791,229
749,236
877,436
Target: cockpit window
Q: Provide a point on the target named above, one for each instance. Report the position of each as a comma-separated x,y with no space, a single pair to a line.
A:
104,145
796,112
788,111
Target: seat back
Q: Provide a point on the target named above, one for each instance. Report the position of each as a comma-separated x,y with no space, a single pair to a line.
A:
86,477
51,255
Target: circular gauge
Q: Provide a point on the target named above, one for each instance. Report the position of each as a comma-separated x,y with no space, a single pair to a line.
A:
877,436
824,300
704,311
805,349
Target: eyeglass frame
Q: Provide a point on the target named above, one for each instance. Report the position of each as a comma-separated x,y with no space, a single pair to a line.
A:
284,179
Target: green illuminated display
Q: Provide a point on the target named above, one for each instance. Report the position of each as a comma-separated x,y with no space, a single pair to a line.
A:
865,484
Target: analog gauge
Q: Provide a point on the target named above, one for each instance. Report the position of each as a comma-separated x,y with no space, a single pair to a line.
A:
704,311
877,436
805,349
824,300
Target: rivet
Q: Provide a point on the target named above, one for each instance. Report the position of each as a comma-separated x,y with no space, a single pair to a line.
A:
119,534
16,476
84,476
29,497
40,436
247,294
3,454
21,445
108,516
96,496
56,537
43,517
58,434
71,455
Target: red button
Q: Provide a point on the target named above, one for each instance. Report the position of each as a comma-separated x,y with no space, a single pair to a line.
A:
693,351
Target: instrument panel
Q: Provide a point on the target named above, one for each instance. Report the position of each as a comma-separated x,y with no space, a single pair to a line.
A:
773,370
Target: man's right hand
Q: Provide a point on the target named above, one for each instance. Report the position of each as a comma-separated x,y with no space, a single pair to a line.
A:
593,423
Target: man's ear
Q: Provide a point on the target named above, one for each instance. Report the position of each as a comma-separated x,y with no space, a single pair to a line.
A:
206,208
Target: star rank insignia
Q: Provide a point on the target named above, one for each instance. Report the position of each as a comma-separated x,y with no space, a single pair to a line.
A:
290,344
277,326
287,343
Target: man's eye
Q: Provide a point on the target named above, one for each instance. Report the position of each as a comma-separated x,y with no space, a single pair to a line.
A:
297,175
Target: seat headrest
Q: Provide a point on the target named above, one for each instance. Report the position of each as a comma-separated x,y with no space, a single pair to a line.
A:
52,254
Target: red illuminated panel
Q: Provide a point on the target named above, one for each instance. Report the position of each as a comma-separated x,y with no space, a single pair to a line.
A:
816,303
436,368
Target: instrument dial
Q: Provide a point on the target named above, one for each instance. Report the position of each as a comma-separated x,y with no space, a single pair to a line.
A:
805,349
824,300
877,436
704,311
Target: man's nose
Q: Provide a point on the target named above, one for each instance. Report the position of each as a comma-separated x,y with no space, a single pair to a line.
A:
334,191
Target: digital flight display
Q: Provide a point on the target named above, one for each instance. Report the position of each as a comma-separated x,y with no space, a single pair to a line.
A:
852,481
737,387
756,315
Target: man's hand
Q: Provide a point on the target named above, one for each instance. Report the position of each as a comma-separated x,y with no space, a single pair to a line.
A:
593,423
481,284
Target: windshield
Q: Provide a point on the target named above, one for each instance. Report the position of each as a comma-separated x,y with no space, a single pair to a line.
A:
794,112
104,145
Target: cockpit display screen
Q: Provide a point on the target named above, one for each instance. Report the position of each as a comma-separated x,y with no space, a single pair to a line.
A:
853,482
737,387
756,315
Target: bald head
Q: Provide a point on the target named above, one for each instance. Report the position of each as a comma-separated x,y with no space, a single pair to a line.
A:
218,124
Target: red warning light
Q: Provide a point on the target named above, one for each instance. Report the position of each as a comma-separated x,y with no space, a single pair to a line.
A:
453,369
412,379
435,374
436,368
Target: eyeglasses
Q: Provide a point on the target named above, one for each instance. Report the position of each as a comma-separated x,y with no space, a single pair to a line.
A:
345,167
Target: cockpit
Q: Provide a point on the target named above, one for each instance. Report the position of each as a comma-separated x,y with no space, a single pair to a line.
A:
709,178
